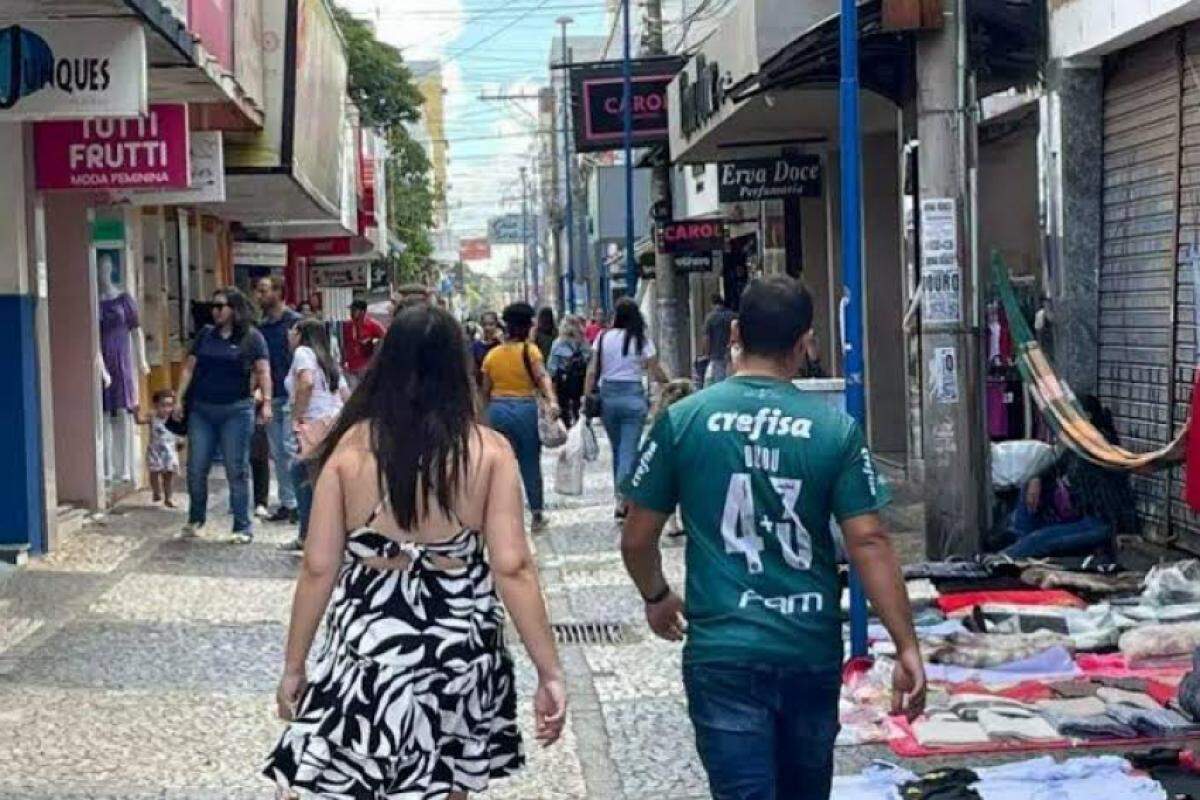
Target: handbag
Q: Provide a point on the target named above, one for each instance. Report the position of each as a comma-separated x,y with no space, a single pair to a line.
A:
551,432
593,405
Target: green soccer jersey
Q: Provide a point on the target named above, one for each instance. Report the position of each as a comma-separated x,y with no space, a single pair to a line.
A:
758,469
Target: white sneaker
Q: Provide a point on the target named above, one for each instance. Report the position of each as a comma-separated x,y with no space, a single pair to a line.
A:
190,531
241,538
262,512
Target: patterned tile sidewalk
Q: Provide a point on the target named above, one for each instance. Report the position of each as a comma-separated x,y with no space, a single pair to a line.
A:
135,666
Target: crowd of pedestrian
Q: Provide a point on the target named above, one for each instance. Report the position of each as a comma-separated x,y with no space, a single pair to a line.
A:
410,455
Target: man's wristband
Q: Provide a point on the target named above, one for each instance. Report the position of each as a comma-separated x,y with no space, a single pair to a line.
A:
659,596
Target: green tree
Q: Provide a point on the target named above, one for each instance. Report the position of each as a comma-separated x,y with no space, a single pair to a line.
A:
382,87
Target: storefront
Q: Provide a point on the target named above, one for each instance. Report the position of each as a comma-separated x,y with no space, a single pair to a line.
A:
766,162
97,268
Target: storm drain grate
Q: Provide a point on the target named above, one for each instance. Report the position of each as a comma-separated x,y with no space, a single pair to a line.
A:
590,633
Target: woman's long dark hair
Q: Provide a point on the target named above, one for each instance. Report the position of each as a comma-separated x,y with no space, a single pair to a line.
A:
628,317
314,336
545,321
419,401
243,310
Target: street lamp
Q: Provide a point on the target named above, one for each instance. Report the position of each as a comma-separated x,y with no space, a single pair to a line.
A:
569,209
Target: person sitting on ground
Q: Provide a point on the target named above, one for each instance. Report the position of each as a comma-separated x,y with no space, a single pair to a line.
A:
1075,508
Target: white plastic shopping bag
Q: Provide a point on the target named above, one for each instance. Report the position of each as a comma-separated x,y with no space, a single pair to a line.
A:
551,431
568,471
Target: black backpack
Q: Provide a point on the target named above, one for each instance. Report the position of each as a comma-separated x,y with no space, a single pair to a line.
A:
572,374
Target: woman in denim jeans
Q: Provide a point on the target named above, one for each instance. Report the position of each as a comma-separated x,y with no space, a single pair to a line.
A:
228,363
513,376
623,357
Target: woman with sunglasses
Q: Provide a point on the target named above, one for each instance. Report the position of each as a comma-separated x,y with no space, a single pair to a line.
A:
227,364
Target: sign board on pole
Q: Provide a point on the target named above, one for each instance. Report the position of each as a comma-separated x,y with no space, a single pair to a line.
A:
696,236
507,229
260,254
476,249
699,262
769,178
207,176
149,152
72,70
941,277
598,94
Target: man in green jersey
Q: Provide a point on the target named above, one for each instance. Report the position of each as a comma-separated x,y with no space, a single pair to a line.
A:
758,468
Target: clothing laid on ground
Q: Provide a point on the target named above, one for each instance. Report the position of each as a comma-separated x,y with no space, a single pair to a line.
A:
777,465
993,649
275,333
118,319
950,603
162,454
413,691
1178,640
224,366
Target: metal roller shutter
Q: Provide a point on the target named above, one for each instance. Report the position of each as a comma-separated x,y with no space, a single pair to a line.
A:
1137,272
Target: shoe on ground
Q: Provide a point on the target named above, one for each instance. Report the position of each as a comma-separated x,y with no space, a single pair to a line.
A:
294,546
189,531
540,523
281,515
241,538
262,512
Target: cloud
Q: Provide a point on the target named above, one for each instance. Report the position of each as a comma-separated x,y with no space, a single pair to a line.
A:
422,29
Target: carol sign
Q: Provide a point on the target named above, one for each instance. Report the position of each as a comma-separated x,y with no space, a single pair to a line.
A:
149,152
72,69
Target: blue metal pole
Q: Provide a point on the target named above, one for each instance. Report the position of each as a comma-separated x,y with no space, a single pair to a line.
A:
856,403
566,54
631,271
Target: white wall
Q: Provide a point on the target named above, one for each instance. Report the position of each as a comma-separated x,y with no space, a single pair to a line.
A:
1084,28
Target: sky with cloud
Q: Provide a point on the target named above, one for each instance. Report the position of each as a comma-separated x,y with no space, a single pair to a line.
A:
486,47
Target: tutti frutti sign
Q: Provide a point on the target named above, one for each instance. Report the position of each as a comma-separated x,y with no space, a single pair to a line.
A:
104,153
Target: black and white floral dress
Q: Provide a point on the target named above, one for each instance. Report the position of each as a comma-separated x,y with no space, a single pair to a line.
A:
413,693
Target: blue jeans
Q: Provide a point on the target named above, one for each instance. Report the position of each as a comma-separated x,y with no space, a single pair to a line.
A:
1037,539
229,428
304,494
764,732
280,436
623,411
517,419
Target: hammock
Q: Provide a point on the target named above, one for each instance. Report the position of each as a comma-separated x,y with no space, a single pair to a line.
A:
1058,404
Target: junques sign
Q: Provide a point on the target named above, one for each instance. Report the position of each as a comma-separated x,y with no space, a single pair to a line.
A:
72,70
150,152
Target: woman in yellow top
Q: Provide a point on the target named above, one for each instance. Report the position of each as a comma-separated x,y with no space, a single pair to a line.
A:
513,377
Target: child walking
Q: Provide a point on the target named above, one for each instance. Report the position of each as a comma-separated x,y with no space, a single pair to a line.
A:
162,454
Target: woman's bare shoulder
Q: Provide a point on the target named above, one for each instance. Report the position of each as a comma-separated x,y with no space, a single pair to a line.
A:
492,445
354,444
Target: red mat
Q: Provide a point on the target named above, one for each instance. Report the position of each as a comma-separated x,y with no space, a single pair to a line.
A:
907,746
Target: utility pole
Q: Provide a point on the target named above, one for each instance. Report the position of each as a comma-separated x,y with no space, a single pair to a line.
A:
956,473
569,208
668,286
631,270
525,234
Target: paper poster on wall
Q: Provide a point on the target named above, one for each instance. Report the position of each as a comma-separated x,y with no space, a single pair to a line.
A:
207,176
943,376
941,276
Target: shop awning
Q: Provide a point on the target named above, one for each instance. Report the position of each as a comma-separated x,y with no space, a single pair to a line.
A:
886,59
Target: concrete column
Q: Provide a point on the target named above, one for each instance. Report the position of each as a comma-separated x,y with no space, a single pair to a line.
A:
1073,171
75,348
23,521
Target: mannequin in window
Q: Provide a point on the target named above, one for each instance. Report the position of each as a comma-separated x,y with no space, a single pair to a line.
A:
121,342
